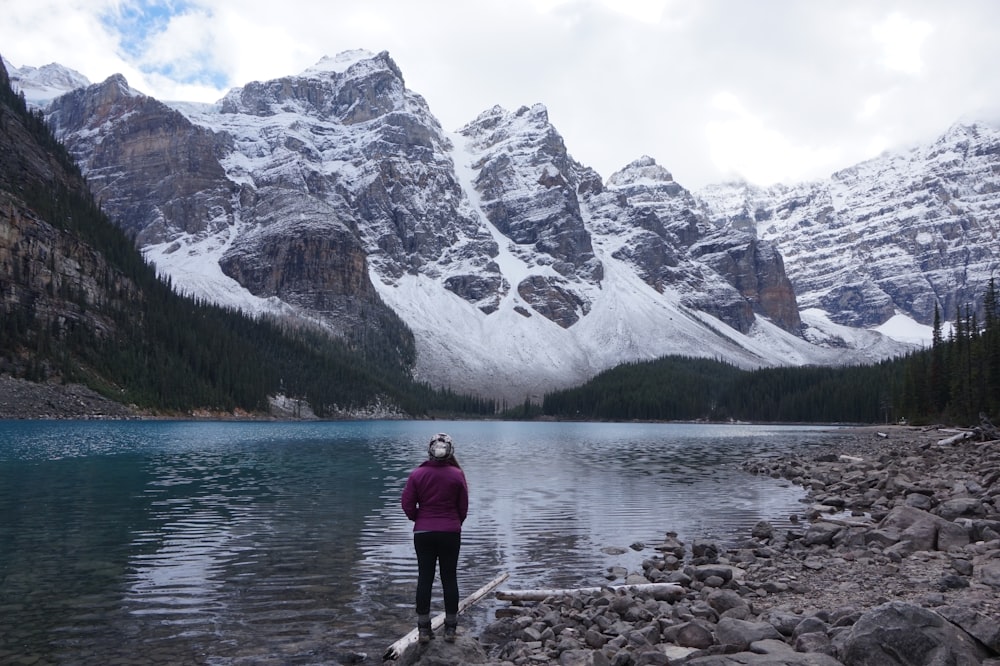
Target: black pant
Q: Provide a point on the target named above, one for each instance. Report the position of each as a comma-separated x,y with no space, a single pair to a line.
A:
432,548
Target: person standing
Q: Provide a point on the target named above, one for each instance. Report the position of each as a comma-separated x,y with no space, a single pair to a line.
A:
436,499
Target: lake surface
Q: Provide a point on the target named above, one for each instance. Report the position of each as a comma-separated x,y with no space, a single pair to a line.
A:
260,543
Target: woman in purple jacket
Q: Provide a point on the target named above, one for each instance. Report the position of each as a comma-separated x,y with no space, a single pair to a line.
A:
436,499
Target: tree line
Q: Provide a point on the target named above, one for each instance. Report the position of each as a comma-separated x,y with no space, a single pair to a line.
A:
955,380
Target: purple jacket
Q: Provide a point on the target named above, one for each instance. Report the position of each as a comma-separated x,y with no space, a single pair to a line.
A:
436,497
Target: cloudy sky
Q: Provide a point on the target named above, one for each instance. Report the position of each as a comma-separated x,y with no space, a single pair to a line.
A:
766,90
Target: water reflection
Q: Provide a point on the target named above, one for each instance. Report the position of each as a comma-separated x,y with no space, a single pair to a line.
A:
229,543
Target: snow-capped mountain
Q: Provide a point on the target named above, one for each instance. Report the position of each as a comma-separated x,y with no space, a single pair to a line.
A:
41,85
335,196
893,236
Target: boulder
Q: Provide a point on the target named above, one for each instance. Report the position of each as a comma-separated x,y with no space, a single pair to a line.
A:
989,573
724,600
925,530
693,635
742,633
984,629
898,633
766,653
439,652
821,533
959,506
581,658
762,530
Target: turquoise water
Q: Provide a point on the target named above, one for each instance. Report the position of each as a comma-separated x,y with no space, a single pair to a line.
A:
254,543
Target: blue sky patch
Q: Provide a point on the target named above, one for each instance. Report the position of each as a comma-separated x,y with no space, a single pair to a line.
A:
138,23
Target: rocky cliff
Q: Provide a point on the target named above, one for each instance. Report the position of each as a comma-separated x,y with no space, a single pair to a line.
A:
53,283
283,234
903,233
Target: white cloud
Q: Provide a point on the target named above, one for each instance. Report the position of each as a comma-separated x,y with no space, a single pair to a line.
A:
902,39
818,84
743,145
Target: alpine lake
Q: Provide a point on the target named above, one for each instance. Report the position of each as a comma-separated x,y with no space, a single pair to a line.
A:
193,542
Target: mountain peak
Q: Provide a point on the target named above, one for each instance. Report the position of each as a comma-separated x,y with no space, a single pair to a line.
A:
41,85
643,169
357,62
339,63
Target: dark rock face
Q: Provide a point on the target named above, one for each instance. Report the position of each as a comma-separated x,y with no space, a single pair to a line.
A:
552,299
152,170
48,274
722,269
757,272
528,184
290,233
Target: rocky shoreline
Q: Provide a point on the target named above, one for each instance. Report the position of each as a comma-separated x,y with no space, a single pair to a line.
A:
21,399
895,560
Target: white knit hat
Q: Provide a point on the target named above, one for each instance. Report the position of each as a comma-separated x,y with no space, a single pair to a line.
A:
440,447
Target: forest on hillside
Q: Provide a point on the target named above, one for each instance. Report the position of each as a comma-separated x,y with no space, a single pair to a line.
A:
956,380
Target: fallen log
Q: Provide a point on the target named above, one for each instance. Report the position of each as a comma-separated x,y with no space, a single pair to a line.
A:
955,439
542,595
396,649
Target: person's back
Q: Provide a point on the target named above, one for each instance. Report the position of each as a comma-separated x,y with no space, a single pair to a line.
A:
436,499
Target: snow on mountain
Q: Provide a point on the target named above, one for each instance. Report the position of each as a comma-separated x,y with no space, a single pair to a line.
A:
41,85
895,236
335,196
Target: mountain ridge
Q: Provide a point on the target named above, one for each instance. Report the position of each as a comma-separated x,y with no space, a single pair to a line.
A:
494,246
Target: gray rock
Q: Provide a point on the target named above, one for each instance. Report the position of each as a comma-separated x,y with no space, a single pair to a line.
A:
705,550
904,634
582,658
810,625
925,530
783,621
989,573
821,533
986,630
442,653
815,641
762,530
724,600
919,501
786,657
742,633
704,571
959,506
693,635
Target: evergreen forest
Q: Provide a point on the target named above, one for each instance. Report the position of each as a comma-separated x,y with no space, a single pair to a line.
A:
956,380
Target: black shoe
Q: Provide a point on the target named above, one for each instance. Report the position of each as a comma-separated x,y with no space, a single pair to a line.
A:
450,632
424,633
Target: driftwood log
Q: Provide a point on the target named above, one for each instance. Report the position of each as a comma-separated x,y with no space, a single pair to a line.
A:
985,432
396,649
543,594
